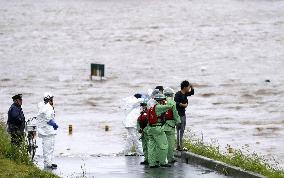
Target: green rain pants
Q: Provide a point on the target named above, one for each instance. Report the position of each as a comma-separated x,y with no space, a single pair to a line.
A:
171,144
145,140
157,146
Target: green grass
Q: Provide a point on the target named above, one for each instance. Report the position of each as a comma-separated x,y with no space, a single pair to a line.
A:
15,162
235,157
10,168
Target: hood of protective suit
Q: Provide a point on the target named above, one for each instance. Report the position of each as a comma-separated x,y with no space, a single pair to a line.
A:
130,103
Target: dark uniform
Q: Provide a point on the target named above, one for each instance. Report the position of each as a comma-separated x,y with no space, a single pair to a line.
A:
16,123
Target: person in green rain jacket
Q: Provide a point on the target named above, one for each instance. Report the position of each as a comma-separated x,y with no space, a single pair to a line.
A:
157,143
172,120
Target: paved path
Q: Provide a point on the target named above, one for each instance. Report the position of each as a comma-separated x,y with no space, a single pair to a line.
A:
126,167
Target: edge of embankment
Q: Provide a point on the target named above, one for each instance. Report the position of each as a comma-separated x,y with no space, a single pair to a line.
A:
224,168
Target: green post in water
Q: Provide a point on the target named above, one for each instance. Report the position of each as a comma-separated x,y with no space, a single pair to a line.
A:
97,70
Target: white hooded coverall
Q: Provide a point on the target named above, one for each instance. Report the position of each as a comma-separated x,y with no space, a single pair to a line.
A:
46,132
132,111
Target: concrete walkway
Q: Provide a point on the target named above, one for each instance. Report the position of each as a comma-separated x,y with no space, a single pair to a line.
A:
125,167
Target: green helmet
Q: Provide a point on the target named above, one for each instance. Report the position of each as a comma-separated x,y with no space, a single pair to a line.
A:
168,91
155,92
159,97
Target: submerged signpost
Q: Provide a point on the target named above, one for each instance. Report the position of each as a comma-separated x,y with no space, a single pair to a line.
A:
97,70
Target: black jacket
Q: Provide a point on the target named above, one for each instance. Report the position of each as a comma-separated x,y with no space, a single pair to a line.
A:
182,98
16,118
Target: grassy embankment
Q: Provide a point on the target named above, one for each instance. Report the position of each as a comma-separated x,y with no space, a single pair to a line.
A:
236,157
15,162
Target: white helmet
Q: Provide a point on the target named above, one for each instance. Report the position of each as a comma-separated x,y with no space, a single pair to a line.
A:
168,91
47,96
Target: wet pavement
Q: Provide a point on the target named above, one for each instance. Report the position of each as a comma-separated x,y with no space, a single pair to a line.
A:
126,167
90,151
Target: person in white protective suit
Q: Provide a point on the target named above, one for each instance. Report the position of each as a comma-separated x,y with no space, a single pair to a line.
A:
47,129
132,111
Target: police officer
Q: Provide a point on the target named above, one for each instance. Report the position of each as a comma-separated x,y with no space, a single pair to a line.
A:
16,121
